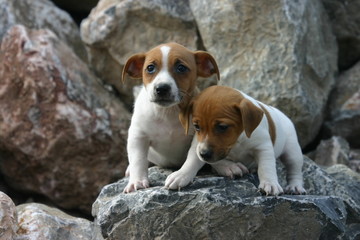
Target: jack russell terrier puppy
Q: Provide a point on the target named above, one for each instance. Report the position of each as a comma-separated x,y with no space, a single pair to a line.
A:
169,74
231,126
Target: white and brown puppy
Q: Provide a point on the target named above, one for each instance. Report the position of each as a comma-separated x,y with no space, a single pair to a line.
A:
232,126
169,74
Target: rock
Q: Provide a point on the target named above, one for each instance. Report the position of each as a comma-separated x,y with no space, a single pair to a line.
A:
355,165
62,134
332,151
286,58
8,218
345,21
347,125
220,208
344,108
354,160
40,222
345,95
41,14
349,178
117,29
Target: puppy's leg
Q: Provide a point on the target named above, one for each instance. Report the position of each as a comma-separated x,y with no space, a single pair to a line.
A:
230,168
188,170
292,158
137,148
269,183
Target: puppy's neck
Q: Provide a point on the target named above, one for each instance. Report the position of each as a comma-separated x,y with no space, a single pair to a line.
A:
165,112
187,99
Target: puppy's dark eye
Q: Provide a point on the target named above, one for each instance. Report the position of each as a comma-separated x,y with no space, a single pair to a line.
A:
197,127
221,128
181,68
151,68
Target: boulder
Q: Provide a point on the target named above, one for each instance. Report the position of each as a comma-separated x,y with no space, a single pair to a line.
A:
41,14
346,93
332,151
62,134
347,125
117,29
354,162
345,21
215,207
8,218
280,52
40,222
344,108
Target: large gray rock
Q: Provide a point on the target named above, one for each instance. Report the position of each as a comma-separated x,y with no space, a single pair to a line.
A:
332,151
117,29
40,222
344,108
8,218
62,134
347,87
280,52
347,125
345,20
41,14
219,208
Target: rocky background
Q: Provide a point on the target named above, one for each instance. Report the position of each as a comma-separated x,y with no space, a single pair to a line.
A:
64,115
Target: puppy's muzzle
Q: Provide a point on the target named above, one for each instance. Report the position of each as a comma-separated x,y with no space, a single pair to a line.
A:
206,154
163,95
162,90
209,154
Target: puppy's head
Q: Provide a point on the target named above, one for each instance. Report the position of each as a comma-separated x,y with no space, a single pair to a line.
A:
169,72
219,115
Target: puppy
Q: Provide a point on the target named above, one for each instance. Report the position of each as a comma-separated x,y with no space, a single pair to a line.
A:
231,126
169,74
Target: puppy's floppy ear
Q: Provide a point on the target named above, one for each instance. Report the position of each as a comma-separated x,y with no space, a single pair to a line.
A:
251,116
134,66
206,65
184,116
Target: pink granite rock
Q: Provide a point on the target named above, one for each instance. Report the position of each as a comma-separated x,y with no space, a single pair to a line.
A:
61,133
8,218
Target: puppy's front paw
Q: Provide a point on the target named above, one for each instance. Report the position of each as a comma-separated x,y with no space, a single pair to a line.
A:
271,188
178,179
295,189
229,168
136,185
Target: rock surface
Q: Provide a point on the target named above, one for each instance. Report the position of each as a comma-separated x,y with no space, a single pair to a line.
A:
347,86
344,108
345,20
219,208
8,217
286,58
117,29
332,151
41,14
61,134
40,222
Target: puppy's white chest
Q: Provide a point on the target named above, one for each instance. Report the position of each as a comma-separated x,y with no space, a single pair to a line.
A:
164,131
168,143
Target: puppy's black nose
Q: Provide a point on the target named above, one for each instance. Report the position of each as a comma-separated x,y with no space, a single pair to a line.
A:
206,154
162,89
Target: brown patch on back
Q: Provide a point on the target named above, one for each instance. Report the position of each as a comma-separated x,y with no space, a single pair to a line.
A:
272,129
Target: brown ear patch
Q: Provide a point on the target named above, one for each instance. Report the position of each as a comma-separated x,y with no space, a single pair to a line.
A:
206,65
251,116
134,66
272,129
